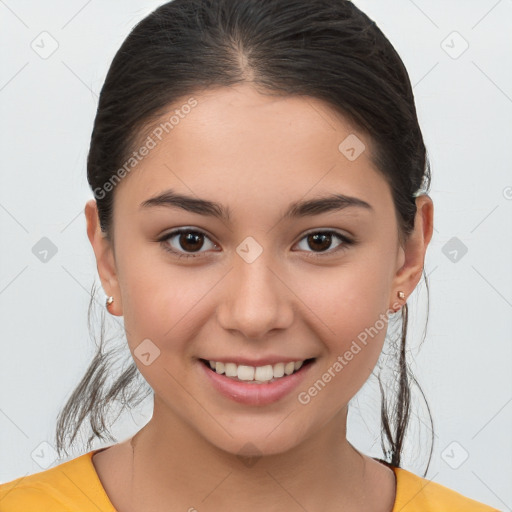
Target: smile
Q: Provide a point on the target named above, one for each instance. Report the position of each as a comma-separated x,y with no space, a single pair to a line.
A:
257,374
255,385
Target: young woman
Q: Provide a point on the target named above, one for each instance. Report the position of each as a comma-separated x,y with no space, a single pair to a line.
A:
260,214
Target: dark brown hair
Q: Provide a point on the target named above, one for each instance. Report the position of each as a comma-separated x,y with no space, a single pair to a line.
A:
326,49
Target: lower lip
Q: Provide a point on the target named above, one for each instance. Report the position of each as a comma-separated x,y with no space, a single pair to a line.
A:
254,393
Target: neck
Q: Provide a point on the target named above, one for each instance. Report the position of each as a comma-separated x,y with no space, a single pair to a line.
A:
172,463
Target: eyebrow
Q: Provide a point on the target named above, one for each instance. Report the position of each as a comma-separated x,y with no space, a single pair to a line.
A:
310,207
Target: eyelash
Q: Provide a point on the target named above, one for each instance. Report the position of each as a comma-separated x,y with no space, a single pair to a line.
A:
346,242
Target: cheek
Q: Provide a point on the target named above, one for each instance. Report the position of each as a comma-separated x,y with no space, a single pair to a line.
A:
162,301
349,305
348,298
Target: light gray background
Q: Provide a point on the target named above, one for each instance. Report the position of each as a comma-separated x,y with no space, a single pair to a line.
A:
464,102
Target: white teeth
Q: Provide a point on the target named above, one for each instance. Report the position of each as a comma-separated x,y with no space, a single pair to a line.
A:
289,368
256,374
245,372
278,370
230,369
264,373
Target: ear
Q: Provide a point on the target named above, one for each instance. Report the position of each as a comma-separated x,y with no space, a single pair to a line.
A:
412,255
105,260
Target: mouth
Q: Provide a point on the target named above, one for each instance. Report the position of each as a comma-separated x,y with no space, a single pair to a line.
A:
256,374
255,385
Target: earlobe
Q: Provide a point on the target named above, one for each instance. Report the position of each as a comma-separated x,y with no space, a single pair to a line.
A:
414,250
105,261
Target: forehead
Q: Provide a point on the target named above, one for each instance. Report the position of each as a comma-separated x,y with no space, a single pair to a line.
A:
239,140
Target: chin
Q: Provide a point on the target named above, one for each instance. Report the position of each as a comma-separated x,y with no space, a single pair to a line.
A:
255,443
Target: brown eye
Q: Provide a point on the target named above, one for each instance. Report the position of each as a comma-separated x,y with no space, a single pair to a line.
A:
190,241
321,241
185,240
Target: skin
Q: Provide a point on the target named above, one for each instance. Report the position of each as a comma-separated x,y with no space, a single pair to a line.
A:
255,154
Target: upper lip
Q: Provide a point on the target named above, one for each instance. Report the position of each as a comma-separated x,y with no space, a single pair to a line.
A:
269,360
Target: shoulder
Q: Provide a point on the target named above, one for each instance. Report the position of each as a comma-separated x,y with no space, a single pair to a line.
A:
71,485
417,494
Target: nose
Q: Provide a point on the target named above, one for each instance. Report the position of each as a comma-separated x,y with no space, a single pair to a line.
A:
256,299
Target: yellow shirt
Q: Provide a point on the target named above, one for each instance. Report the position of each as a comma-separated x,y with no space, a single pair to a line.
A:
75,486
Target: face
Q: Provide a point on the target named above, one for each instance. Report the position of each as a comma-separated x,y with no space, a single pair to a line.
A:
260,285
